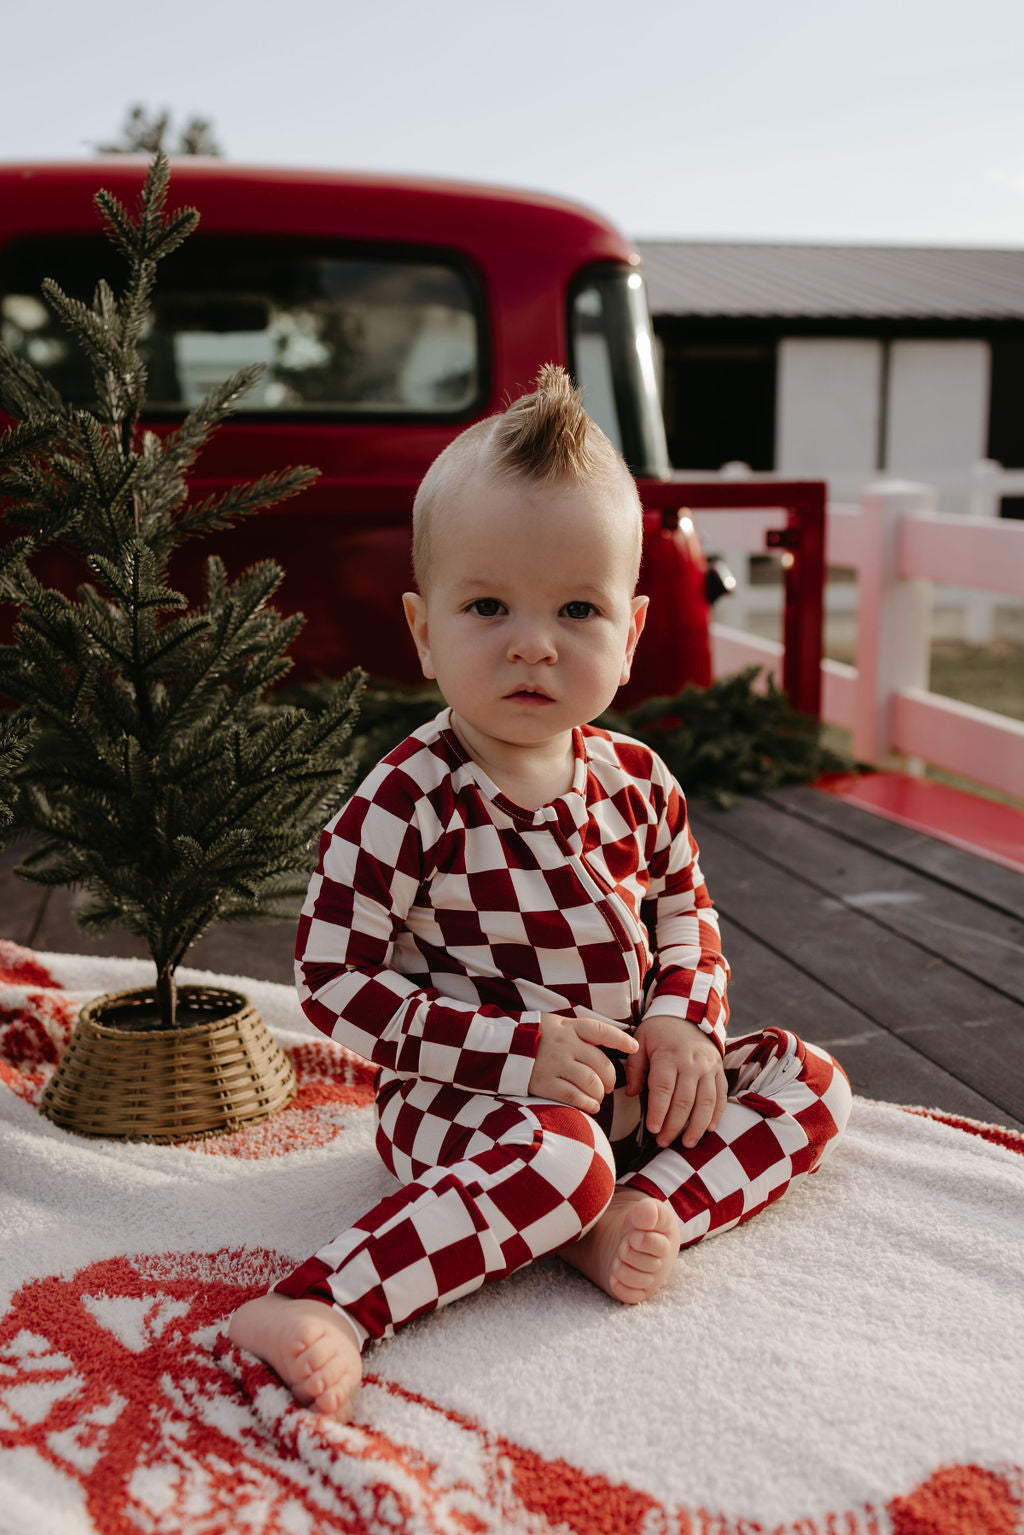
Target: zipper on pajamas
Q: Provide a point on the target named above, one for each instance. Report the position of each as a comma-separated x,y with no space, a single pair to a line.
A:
618,919
622,923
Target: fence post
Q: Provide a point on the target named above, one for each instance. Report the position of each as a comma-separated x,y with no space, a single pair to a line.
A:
893,617
979,607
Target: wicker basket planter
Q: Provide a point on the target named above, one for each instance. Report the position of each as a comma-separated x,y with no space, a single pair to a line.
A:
125,1077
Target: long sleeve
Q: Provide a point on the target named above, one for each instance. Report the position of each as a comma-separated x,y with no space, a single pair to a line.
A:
690,972
353,951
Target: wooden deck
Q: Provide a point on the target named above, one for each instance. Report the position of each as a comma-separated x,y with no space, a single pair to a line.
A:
900,954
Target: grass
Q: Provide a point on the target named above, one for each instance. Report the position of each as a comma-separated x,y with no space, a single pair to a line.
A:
990,676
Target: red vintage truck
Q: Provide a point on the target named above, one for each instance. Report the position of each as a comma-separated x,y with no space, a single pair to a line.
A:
390,313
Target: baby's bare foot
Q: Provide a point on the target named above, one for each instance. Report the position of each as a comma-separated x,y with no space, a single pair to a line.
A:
631,1251
310,1345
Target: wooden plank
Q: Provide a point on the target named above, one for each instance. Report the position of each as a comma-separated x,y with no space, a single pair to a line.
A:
44,920
968,1029
766,991
997,886
945,921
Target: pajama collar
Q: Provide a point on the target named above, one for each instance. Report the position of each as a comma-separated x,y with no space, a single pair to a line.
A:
569,812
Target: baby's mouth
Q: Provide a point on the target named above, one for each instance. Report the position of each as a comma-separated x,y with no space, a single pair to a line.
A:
529,695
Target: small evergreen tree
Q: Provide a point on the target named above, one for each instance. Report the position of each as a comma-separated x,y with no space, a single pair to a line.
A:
156,770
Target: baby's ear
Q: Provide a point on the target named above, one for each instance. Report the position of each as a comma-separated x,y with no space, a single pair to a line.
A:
416,617
637,620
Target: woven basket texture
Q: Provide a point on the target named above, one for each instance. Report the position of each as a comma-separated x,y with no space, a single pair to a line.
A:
126,1078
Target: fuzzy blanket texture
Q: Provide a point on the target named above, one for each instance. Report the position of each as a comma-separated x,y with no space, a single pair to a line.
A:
849,1363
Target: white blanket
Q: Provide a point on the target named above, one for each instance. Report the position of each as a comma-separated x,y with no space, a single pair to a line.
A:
849,1363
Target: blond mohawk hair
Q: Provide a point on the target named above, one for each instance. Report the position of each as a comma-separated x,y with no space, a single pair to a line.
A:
546,437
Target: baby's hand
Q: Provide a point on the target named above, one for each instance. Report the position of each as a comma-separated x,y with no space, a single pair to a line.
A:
686,1086
571,1066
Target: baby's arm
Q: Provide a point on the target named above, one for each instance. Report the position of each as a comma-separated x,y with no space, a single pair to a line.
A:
682,1034
370,869
690,972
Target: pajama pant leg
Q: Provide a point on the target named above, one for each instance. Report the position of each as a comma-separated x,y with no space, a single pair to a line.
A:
491,1184
788,1102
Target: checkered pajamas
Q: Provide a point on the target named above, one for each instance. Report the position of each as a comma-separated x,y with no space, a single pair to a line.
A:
441,922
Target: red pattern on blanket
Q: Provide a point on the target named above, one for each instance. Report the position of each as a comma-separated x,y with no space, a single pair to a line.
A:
119,1379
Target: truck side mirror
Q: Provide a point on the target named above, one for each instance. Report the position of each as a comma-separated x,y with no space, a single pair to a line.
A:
719,580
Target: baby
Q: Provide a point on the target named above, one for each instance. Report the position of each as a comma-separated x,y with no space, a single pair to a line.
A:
509,920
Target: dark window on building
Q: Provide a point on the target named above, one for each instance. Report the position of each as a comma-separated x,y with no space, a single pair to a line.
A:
1006,414
720,403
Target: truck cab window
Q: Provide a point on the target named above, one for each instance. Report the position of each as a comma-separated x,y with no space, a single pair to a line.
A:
339,332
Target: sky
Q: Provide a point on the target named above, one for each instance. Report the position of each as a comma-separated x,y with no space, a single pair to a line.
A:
878,121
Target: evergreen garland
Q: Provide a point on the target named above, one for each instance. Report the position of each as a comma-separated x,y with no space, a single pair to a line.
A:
731,738
148,756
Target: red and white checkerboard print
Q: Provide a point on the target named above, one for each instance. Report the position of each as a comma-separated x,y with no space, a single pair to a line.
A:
442,920
492,1184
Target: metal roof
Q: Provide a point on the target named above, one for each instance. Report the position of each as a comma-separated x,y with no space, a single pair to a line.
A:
695,277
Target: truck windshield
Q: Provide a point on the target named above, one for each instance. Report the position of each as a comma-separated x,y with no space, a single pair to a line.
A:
339,331
612,361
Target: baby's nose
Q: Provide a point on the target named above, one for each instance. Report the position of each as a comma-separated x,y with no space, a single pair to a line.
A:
533,644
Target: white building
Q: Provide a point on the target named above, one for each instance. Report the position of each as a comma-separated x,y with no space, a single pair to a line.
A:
842,361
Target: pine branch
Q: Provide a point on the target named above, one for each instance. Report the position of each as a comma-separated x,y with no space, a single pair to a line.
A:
46,502
120,225
223,511
730,738
182,448
111,475
88,329
12,557
119,579
14,741
24,392
147,236
25,440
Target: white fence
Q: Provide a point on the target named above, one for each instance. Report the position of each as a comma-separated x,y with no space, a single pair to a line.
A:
898,545
970,615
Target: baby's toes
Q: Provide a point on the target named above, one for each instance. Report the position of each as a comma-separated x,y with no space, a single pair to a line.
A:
332,1370
313,1356
657,1242
336,1388
646,1258
628,1285
333,1403
642,1259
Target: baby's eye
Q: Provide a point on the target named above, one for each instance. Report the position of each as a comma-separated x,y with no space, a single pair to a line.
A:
579,610
485,607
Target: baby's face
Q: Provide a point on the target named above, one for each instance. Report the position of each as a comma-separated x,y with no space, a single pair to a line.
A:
529,622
